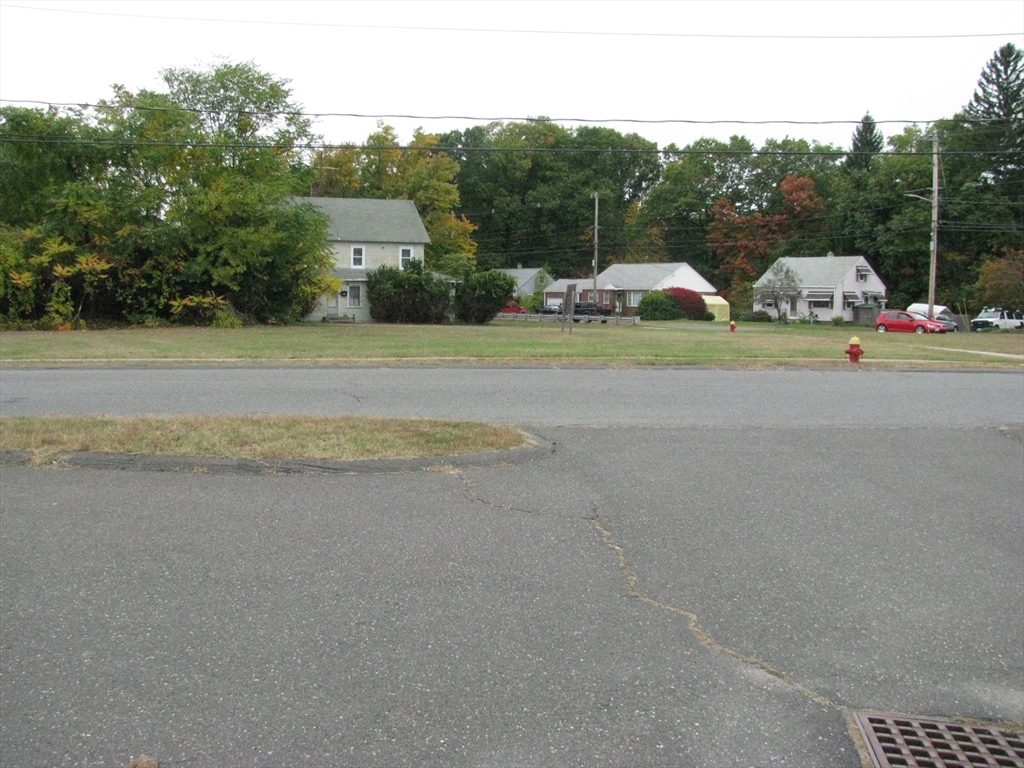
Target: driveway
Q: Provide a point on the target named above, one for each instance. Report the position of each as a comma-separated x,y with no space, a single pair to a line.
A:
704,568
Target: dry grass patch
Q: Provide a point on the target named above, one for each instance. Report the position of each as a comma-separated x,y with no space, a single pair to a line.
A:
255,437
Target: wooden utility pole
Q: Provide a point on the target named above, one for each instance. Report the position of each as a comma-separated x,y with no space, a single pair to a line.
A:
594,292
935,225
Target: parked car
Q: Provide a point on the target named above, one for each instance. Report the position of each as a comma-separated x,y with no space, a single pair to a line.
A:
582,308
513,308
997,319
551,309
584,311
908,322
939,312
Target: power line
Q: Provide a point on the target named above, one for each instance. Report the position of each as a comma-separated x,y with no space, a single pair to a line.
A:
309,146
469,118
488,30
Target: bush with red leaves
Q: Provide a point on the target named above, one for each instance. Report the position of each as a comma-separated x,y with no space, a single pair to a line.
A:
690,302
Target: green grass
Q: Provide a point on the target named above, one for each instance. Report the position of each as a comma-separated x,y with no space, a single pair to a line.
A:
505,343
254,437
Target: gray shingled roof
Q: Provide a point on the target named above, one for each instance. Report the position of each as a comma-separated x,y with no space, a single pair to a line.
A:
819,271
355,220
646,277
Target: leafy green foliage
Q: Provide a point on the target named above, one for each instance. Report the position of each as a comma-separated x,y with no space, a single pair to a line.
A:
162,197
691,303
659,305
1001,281
482,295
410,295
536,208
380,169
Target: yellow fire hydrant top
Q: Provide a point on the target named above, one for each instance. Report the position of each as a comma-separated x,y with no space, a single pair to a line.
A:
855,340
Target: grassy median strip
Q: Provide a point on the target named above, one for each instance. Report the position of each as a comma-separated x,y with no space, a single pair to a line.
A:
344,438
501,343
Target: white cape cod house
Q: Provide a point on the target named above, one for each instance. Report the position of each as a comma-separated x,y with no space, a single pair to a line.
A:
364,235
830,286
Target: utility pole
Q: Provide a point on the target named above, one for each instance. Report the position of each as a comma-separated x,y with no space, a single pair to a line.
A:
594,292
935,225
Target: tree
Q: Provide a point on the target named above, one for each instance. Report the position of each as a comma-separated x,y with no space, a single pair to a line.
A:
867,142
381,169
1001,281
166,201
997,113
779,284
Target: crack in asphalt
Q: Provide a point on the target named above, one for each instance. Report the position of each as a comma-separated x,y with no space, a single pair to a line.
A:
694,624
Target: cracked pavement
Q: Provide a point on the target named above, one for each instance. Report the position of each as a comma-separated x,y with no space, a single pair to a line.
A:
673,594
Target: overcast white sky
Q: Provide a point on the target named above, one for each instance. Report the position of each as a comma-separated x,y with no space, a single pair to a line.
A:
694,60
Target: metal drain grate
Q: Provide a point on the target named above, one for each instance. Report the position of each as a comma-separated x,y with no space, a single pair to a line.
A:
906,741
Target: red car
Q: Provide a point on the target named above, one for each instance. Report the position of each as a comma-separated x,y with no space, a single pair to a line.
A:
513,308
908,322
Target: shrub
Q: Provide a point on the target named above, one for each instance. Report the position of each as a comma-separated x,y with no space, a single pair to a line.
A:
837,320
691,303
410,295
482,295
760,316
659,305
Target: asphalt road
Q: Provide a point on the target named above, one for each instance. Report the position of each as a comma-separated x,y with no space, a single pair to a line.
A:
707,568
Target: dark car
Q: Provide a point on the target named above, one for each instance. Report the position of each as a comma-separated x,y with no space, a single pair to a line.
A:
551,309
908,322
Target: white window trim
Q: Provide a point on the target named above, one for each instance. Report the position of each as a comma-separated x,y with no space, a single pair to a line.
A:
362,257
402,250
355,296
633,298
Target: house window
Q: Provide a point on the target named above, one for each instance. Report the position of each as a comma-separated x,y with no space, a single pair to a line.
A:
851,303
607,298
820,304
633,298
358,259
862,277
769,304
405,256
354,296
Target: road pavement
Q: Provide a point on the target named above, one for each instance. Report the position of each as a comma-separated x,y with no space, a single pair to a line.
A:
704,568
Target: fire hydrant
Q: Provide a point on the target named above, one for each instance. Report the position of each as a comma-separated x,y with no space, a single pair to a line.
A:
732,326
854,351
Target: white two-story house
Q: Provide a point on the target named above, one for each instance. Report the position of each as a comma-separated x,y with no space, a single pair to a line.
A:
364,235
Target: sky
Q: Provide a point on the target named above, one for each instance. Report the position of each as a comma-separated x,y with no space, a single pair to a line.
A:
672,72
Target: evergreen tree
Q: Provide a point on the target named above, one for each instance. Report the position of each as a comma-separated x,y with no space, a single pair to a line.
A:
996,115
867,142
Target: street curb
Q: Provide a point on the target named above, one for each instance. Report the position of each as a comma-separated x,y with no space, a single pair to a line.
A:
535,448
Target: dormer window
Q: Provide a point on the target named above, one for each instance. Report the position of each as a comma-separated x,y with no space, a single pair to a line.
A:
358,257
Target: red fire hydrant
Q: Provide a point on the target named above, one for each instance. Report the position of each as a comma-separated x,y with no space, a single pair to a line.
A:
854,351
732,326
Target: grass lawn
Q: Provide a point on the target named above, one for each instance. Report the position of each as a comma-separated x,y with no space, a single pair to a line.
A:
507,342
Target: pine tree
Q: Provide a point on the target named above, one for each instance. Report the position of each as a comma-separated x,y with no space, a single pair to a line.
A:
867,142
996,112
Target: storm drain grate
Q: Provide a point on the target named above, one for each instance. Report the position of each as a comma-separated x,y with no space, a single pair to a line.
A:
906,741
